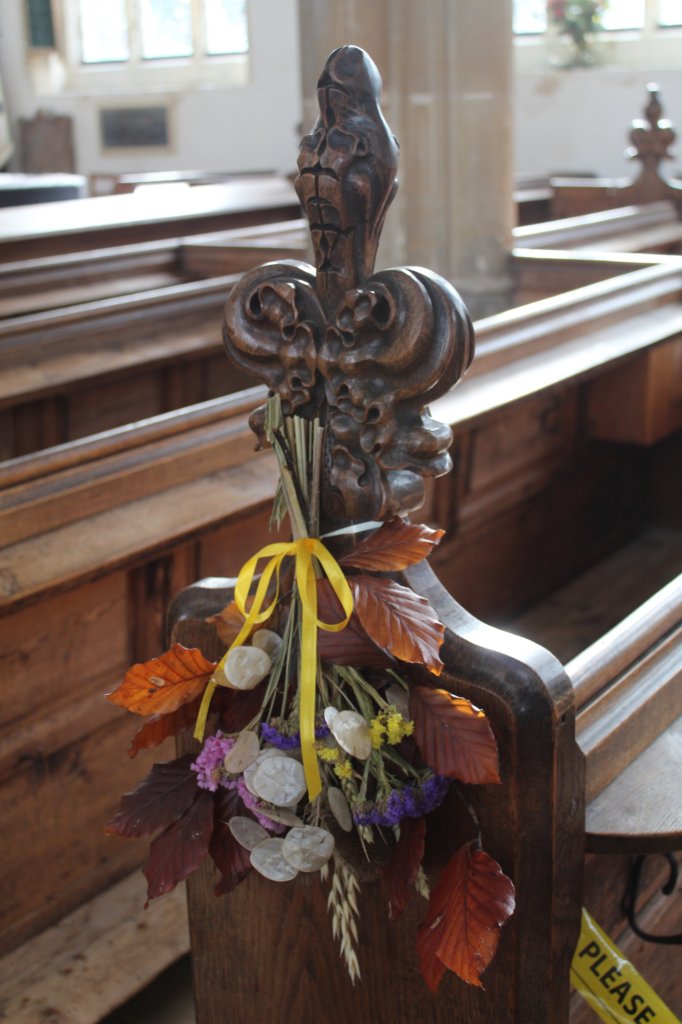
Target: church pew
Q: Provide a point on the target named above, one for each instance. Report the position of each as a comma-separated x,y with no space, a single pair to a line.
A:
650,141
646,228
50,282
85,368
54,228
100,533
543,273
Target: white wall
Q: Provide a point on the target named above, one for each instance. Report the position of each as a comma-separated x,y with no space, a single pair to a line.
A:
255,127
579,118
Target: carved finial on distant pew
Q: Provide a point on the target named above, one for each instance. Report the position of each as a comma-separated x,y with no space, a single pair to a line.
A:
364,351
651,141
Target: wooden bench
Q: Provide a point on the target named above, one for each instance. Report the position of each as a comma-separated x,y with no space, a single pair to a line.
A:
101,532
646,228
650,141
79,369
50,282
55,228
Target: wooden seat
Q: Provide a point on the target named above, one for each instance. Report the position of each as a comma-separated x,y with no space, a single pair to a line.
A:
537,817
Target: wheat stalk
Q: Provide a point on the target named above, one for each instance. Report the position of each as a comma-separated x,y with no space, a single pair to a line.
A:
342,904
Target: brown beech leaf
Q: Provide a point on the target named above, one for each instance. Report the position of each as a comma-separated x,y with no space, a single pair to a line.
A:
350,646
164,684
158,801
180,848
398,620
402,870
159,727
468,907
453,737
393,546
231,859
228,622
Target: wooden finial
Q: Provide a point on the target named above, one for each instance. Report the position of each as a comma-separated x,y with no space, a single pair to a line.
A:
651,138
364,351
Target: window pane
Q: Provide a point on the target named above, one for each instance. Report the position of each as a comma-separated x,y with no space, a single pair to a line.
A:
226,28
104,31
166,28
622,14
670,12
530,16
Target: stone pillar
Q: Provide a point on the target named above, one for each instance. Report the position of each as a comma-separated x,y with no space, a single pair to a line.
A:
447,72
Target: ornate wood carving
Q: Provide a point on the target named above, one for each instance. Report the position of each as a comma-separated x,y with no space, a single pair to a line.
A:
366,351
651,139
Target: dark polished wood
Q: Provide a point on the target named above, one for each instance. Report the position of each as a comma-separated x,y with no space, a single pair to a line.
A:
54,228
367,351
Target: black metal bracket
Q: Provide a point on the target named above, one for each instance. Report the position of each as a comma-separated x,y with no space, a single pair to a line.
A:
629,904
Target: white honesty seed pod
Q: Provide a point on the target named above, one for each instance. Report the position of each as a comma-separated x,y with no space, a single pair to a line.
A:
338,805
279,781
247,832
266,640
244,752
330,714
308,848
246,667
351,732
282,815
268,861
398,697
253,767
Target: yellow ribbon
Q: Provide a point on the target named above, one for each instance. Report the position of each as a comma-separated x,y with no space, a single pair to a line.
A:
305,551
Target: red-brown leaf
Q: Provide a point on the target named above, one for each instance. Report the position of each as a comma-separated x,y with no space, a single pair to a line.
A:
350,646
159,800
393,546
180,848
238,708
164,684
231,859
402,870
453,737
398,620
159,727
468,907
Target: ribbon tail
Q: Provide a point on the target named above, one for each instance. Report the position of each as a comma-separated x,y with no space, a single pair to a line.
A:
200,725
308,671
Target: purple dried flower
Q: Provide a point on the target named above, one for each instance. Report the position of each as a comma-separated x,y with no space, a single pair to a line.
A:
411,801
209,762
275,738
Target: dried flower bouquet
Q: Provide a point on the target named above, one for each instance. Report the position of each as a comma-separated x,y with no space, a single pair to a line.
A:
328,742
348,788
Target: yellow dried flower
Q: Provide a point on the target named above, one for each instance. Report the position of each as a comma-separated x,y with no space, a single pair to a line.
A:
330,754
343,770
377,730
394,727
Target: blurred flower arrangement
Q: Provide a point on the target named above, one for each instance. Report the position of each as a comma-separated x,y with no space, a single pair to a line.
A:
323,755
579,21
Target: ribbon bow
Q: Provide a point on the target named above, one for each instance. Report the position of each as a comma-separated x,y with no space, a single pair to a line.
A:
305,551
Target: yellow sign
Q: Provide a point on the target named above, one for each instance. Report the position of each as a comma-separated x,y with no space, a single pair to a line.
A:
610,984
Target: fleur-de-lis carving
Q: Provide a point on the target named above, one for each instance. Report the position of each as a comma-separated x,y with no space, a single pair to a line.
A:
651,138
365,351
